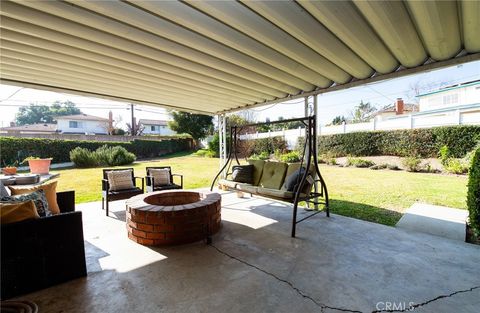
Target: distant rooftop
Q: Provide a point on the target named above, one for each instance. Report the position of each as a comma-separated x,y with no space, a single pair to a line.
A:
407,107
153,122
83,117
451,87
41,127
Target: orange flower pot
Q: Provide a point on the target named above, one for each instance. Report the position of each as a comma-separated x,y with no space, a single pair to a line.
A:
39,166
9,170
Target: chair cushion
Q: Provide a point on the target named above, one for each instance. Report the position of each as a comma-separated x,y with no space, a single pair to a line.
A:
50,190
273,175
242,173
228,183
125,191
292,181
257,170
16,212
38,198
275,193
161,176
246,188
168,187
120,180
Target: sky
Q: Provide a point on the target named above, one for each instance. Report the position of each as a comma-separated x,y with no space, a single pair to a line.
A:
330,104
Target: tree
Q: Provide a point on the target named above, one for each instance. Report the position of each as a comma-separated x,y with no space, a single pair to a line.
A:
33,114
338,120
363,112
196,125
137,129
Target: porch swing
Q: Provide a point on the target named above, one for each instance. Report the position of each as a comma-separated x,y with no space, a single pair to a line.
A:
305,175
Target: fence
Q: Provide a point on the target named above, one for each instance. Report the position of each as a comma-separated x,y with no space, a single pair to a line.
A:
446,117
86,137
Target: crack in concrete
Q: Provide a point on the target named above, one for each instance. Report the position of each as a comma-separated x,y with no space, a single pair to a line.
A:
291,285
414,306
324,306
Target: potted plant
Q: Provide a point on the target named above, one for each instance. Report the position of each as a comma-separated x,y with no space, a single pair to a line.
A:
38,165
10,169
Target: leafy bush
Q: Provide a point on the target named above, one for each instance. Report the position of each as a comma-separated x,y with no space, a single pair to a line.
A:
14,148
412,164
105,155
425,142
456,166
205,153
268,145
331,161
290,157
359,162
473,193
262,156
444,154
379,166
83,157
393,167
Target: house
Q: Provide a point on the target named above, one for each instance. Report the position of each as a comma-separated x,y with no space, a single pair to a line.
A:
395,110
82,124
156,127
459,95
40,128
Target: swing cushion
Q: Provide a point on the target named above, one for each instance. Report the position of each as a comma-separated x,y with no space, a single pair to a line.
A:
273,175
242,173
257,170
293,180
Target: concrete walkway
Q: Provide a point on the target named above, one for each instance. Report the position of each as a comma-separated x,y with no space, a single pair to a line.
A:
435,220
336,264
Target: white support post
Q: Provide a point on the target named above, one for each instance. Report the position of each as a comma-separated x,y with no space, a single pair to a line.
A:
224,144
306,106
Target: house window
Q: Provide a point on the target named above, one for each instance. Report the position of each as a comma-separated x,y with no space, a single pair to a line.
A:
450,99
74,124
152,128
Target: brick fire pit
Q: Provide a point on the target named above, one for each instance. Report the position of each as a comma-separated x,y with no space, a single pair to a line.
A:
173,217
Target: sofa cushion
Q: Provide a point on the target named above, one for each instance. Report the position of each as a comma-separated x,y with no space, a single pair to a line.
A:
228,183
161,176
50,190
120,180
273,175
18,211
38,198
247,188
257,170
275,193
243,173
292,181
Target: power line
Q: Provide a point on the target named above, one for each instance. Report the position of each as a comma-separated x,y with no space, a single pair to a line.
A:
13,94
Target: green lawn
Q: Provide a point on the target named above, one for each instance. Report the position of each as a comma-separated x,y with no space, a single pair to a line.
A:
377,196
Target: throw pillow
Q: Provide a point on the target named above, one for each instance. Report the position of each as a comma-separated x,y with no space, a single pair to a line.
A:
3,191
16,212
292,181
161,176
38,197
242,173
50,190
120,180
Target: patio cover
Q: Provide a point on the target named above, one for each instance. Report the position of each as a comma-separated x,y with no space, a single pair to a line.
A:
217,57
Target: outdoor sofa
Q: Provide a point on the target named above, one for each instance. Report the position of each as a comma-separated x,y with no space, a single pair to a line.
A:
38,253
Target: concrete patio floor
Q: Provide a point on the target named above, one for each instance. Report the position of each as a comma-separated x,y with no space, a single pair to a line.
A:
335,264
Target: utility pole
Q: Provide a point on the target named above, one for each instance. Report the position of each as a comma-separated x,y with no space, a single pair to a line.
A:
133,120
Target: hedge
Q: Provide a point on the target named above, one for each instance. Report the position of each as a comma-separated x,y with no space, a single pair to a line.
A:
424,142
13,148
473,194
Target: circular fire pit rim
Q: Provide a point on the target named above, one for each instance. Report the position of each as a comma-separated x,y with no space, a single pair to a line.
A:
138,202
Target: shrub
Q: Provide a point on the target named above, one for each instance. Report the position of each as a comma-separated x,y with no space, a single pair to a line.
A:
267,145
82,157
205,153
331,161
393,167
412,164
379,167
290,157
425,142
456,166
262,156
359,162
119,156
473,193
444,154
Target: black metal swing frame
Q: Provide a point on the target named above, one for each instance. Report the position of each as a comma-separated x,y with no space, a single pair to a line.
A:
316,197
